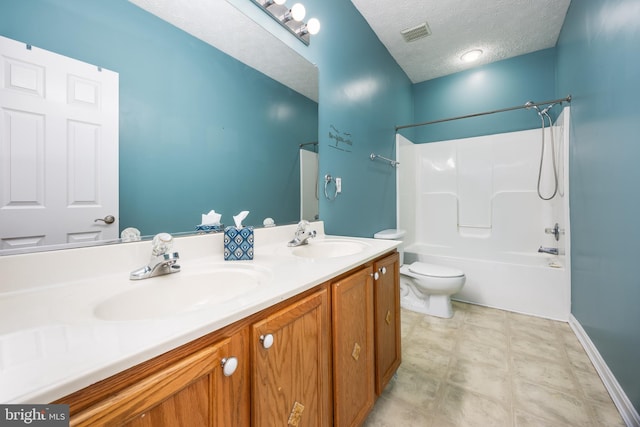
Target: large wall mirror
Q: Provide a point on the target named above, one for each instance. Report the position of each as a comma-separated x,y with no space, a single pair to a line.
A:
213,109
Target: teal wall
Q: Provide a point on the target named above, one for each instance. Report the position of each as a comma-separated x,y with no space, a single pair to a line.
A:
599,65
363,95
495,86
197,128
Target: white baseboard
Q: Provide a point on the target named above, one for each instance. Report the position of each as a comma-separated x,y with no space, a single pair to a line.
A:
627,411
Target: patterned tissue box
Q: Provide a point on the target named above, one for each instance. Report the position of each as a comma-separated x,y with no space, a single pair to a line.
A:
209,228
238,243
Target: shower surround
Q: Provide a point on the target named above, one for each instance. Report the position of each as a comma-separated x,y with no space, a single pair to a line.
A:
472,204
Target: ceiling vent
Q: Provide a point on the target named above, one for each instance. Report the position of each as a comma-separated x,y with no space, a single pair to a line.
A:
415,33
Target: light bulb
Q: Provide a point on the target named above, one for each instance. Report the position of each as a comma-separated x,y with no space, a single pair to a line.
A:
298,12
313,26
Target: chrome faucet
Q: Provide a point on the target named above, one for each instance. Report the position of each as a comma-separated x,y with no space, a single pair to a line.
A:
162,260
552,251
302,234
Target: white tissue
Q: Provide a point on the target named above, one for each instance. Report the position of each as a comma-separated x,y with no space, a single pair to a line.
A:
212,218
239,218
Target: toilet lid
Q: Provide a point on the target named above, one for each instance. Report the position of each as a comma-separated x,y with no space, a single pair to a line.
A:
434,270
390,234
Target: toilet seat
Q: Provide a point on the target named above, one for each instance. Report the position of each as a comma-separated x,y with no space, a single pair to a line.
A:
433,270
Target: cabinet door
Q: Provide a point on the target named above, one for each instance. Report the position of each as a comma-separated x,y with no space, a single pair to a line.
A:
353,371
193,391
290,365
387,319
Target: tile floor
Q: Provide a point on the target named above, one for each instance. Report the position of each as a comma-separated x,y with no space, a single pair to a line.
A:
487,367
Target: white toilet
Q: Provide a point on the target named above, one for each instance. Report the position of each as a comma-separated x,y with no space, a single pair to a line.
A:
425,288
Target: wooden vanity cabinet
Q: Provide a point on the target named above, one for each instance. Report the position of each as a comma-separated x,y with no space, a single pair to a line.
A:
192,391
291,365
387,319
353,348
317,359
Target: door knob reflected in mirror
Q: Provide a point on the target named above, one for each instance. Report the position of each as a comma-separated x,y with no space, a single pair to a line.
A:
109,219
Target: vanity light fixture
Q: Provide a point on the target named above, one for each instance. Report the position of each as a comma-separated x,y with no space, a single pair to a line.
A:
312,27
296,13
268,3
471,55
290,18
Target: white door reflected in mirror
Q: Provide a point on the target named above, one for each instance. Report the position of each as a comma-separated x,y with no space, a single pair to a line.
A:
60,132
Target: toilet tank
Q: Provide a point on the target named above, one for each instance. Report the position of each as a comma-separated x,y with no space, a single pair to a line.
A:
393,234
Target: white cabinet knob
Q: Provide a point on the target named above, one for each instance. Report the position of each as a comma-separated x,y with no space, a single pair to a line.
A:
266,340
383,270
229,365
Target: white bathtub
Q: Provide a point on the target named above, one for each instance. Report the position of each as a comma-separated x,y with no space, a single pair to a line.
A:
514,281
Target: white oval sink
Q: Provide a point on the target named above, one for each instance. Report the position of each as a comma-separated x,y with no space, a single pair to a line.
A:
182,292
329,248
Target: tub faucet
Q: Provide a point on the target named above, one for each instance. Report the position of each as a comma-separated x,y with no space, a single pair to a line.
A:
552,251
302,234
162,261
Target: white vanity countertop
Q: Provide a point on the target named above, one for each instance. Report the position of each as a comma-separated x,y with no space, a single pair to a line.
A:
52,343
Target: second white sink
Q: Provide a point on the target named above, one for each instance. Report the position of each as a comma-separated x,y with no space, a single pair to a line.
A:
329,248
182,292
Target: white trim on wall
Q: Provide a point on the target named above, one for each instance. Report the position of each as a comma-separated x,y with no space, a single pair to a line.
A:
620,399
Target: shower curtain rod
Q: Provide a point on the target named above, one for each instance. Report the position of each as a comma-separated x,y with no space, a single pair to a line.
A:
518,107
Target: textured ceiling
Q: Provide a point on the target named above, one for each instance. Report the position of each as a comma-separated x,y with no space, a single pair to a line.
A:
501,28
220,24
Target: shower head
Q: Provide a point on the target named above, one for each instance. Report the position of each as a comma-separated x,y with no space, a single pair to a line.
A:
547,108
529,105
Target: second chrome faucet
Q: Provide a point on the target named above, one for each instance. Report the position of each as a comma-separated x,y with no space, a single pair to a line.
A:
302,234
